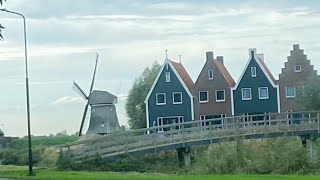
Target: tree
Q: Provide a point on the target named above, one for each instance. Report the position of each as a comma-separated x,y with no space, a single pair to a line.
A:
135,106
1,27
309,95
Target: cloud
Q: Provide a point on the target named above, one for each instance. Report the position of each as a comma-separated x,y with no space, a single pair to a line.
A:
67,100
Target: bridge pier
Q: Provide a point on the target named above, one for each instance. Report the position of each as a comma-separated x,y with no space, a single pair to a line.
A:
184,156
313,147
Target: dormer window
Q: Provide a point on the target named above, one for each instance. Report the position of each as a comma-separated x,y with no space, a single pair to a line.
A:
253,72
297,68
210,74
168,79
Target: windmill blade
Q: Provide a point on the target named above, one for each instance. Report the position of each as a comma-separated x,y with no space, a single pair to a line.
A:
83,118
78,90
94,74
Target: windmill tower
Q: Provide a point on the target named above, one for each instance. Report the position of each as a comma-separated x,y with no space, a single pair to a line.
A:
103,118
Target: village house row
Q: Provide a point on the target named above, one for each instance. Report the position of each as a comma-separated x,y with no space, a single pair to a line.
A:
175,98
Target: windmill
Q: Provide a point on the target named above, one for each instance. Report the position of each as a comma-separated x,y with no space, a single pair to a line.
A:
103,118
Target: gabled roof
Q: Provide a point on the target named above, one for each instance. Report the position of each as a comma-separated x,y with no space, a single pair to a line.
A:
227,76
183,74
262,65
267,70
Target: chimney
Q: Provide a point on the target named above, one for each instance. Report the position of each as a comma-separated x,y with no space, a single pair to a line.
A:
296,47
252,52
209,55
220,59
261,56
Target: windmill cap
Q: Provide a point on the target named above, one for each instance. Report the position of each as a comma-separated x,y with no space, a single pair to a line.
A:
102,97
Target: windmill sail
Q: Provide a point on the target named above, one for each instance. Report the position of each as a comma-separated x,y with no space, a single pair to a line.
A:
78,90
90,91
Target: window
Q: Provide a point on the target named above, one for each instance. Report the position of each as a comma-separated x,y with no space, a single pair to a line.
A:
203,96
202,118
290,91
263,93
253,72
161,98
177,97
160,123
297,68
220,95
168,77
210,74
246,94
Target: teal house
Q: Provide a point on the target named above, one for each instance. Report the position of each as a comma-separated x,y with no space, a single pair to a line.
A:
256,91
170,100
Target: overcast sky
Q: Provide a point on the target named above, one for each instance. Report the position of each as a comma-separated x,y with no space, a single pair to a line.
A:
63,36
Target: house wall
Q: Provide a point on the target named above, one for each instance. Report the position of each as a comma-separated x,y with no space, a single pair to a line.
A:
289,77
217,83
169,109
255,105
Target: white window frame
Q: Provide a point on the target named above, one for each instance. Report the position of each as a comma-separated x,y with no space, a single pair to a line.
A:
168,77
207,97
294,91
173,100
295,68
260,93
160,119
210,72
165,99
253,71
246,99
224,96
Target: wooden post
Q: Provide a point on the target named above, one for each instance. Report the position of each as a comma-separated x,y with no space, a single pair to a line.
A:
126,141
318,119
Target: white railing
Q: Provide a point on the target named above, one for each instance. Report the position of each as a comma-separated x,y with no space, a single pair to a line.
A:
123,142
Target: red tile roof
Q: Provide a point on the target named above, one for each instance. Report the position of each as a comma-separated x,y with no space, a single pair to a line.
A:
183,74
267,70
225,73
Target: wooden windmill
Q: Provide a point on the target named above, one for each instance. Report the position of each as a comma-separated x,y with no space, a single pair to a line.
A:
103,118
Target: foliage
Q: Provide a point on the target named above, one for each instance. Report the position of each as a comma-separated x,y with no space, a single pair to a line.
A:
135,106
309,96
43,154
266,156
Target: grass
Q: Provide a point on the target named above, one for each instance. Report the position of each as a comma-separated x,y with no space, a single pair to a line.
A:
52,174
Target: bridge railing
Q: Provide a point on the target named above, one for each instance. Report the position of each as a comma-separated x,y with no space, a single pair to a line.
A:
155,137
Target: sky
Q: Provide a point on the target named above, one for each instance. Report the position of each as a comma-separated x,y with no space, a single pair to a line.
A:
64,35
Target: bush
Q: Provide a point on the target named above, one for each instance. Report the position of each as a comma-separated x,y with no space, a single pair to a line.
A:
277,155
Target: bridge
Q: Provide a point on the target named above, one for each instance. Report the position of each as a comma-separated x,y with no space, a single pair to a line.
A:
183,136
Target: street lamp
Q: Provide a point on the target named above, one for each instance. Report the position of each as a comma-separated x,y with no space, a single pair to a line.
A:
27,86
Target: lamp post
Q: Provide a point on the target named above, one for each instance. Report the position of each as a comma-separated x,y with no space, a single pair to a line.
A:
27,86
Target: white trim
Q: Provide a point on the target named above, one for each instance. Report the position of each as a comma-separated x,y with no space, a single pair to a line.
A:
167,117
294,91
165,99
224,95
168,77
295,70
210,71
260,93
261,67
278,98
173,97
232,102
147,117
246,99
207,97
255,72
